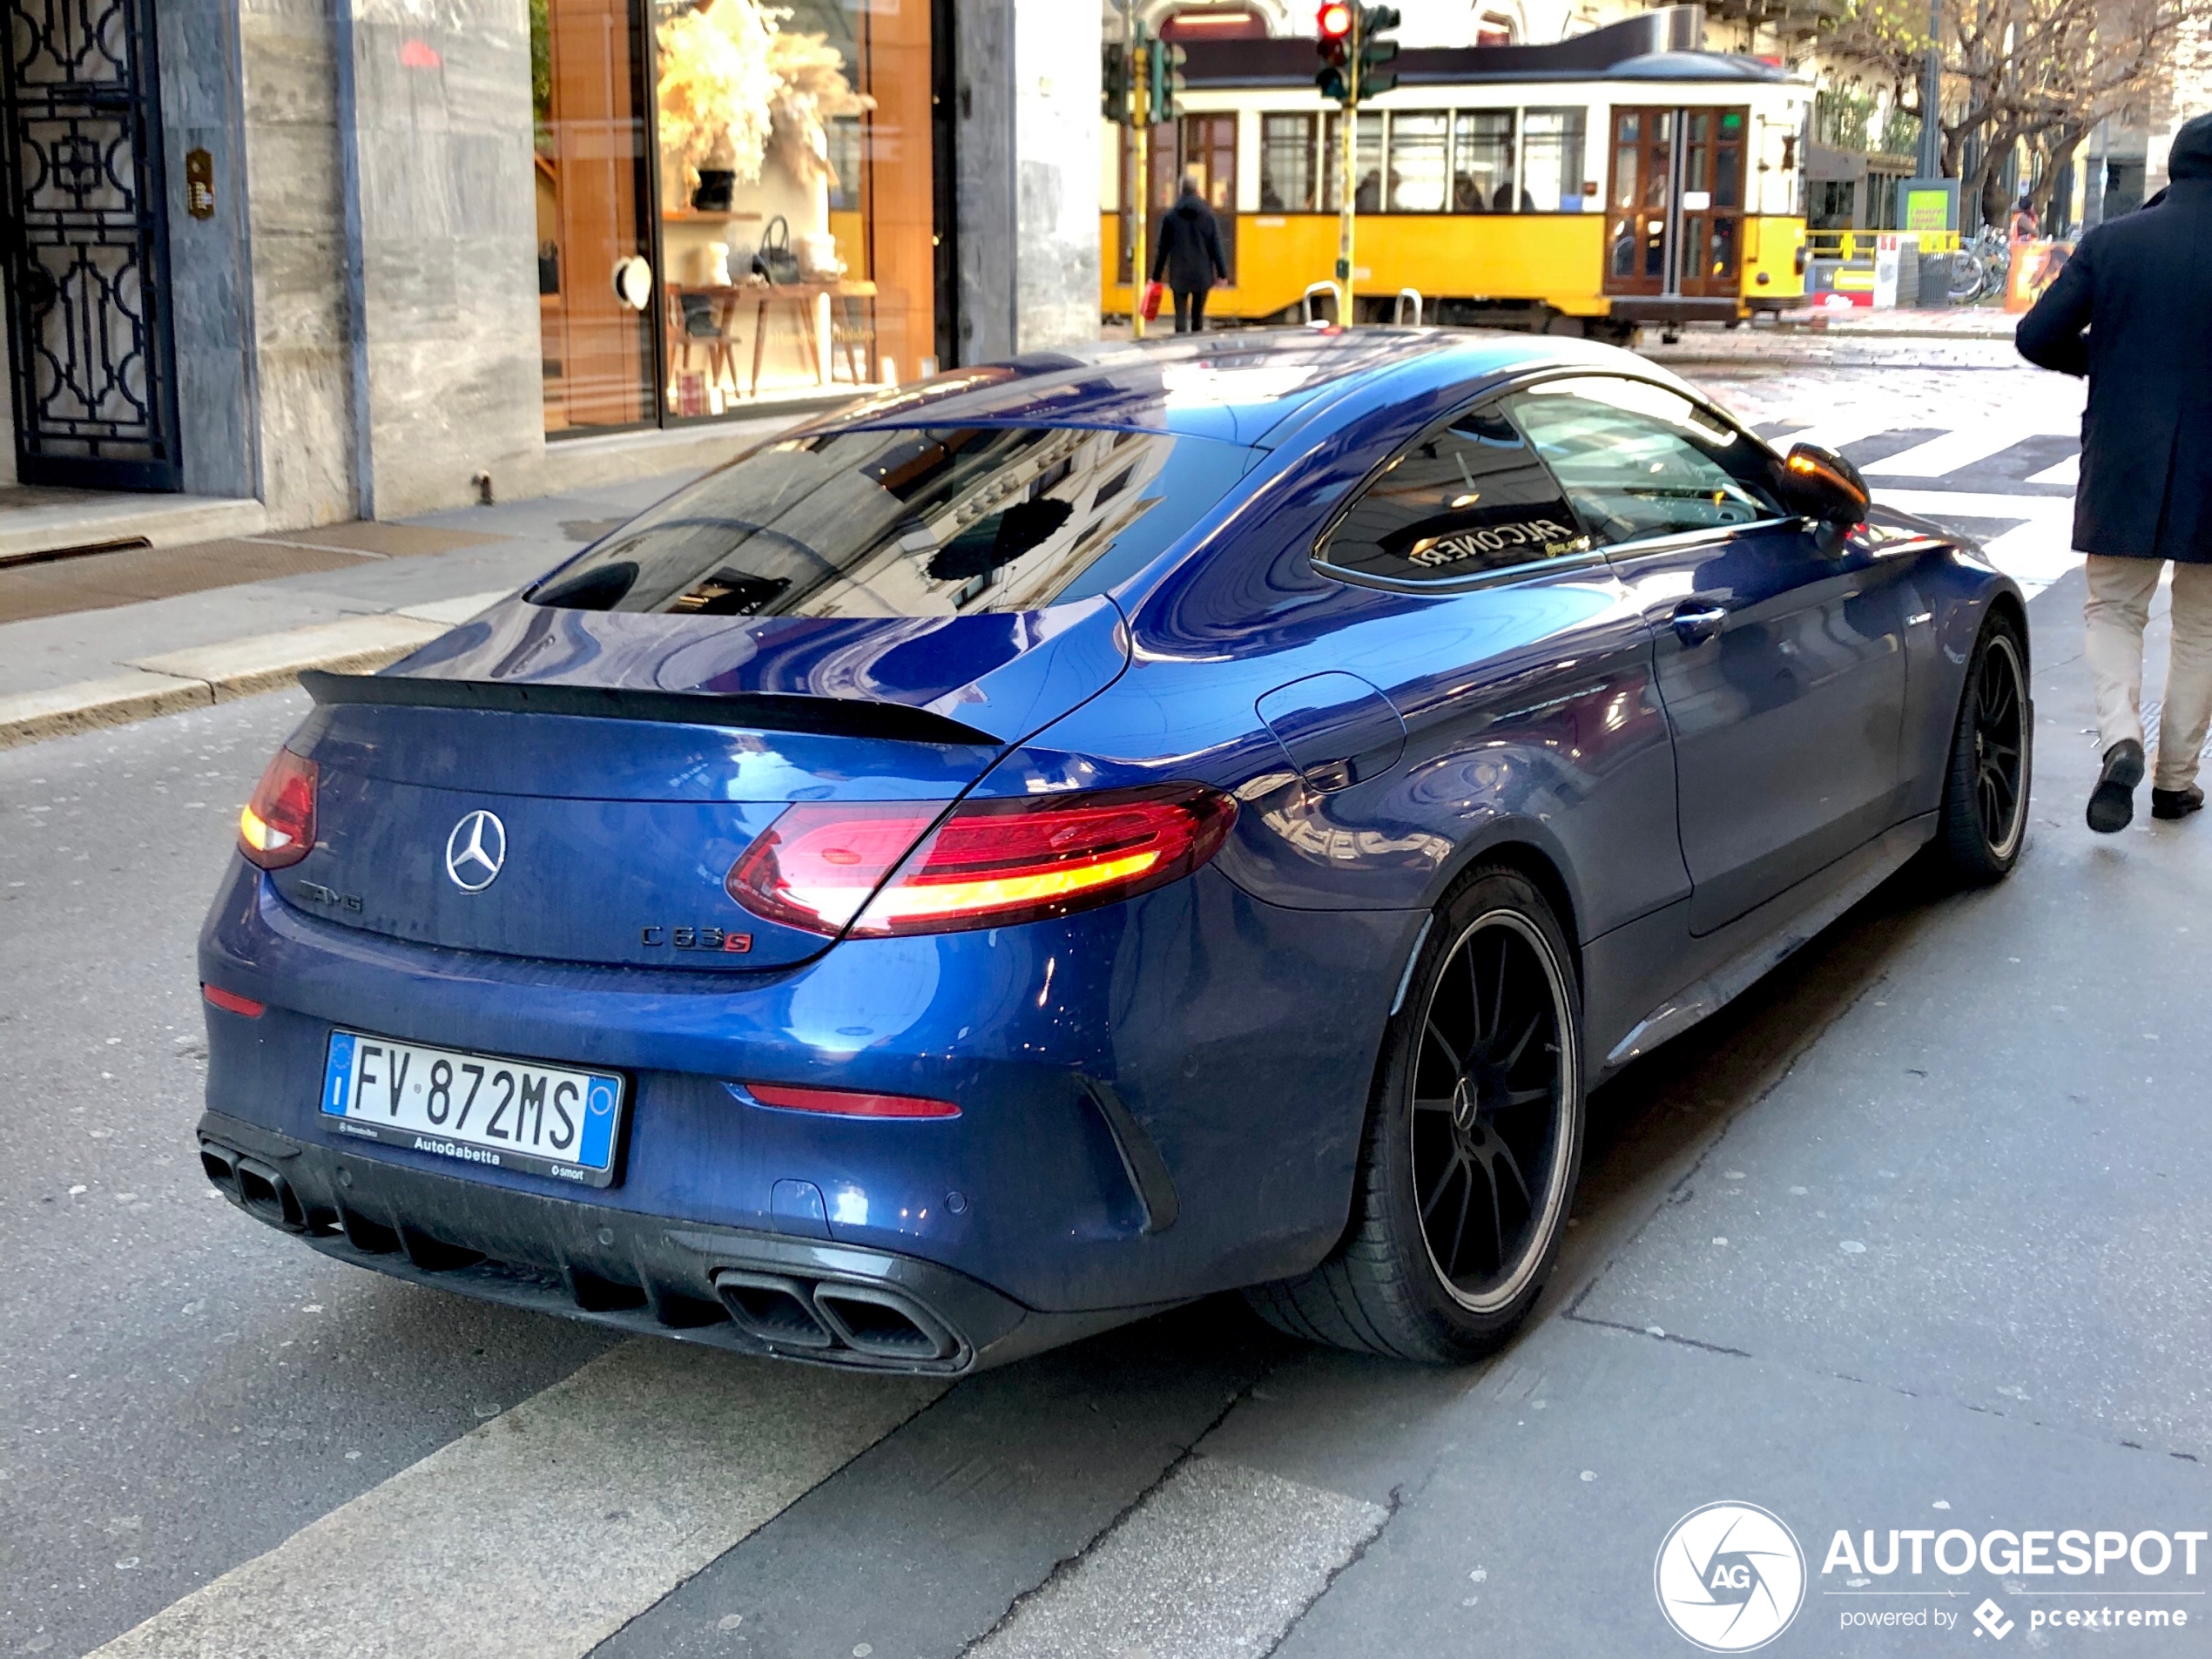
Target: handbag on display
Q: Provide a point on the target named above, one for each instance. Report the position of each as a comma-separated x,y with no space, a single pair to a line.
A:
774,259
1150,304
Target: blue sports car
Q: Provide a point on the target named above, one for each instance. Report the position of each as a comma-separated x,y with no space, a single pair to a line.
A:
1083,834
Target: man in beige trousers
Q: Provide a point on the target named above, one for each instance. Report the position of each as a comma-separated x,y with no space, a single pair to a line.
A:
2132,311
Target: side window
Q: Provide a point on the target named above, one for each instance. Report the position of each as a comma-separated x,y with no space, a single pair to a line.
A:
1468,497
1638,460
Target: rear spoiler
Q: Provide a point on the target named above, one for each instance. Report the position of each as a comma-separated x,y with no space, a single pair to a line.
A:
835,717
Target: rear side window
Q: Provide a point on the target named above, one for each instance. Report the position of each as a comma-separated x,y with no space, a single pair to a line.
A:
1638,460
1469,497
918,521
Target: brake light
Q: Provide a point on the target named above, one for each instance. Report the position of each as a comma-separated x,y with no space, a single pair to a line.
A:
845,1103
231,1003
278,826
991,863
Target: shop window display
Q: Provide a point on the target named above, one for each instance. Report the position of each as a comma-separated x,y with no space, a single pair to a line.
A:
735,204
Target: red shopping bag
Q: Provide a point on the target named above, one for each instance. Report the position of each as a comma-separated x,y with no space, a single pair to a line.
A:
1150,304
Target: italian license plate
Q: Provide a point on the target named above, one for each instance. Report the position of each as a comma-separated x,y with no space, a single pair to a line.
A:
475,1108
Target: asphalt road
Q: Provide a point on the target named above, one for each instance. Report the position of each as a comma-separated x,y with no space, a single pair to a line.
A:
1912,1237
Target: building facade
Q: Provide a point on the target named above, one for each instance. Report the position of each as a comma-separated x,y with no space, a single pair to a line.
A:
371,258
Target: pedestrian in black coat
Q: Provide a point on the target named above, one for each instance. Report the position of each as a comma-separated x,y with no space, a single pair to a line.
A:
1190,257
2132,311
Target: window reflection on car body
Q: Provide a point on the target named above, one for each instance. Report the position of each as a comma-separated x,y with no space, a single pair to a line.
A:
1467,498
912,522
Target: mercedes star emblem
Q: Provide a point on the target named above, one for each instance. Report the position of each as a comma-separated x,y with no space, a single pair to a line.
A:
475,851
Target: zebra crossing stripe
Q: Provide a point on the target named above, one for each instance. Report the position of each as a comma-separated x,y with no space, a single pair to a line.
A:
1954,451
548,1528
1219,1558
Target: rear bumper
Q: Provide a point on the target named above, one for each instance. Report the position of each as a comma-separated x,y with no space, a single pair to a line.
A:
755,1292
1158,1099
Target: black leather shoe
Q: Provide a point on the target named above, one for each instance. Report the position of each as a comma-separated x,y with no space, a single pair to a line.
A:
2112,804
2177,803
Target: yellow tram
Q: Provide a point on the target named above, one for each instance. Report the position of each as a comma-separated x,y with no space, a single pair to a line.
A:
1587,186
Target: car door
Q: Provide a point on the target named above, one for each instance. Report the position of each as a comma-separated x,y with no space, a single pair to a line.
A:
1779,644
1523,676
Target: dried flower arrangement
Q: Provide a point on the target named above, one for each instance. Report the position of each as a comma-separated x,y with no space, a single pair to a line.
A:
733,87
811,91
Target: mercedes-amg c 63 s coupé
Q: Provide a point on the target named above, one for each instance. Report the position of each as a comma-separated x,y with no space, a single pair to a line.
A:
1076,835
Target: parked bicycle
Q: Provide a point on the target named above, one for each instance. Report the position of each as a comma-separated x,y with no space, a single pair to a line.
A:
1979,268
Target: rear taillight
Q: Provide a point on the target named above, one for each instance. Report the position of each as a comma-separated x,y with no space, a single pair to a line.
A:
278,826
990,864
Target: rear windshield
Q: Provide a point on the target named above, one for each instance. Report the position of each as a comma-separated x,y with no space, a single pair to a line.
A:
921,521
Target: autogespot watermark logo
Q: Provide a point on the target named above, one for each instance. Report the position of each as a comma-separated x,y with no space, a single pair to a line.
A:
1730,1577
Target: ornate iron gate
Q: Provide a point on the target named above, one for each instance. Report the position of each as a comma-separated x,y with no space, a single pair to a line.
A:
83,232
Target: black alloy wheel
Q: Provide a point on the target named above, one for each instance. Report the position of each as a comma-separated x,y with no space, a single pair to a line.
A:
1983,819
1487,1127
1472,1145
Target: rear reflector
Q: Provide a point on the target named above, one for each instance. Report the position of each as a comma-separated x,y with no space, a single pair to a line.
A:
231,1003
840,1103
278,826
991,863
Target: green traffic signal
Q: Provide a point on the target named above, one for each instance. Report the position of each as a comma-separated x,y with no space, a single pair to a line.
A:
1164,64
1376,51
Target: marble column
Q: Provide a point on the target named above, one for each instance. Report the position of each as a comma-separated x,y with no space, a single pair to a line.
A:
1026,164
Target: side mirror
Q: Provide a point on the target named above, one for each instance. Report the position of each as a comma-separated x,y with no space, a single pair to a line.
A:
1824,486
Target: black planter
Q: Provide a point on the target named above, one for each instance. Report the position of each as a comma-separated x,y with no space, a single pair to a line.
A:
718,189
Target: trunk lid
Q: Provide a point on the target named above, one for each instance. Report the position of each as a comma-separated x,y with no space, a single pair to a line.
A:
575,785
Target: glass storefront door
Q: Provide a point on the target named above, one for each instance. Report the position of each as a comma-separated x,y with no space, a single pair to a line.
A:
737,203
593,192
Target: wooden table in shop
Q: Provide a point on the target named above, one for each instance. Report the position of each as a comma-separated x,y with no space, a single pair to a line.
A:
762,295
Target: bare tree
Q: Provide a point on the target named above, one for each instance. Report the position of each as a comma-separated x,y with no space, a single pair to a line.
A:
2042,71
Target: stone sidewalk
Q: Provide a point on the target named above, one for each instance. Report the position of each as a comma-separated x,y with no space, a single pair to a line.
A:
355,598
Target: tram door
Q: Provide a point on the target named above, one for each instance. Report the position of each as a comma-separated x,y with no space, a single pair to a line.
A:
1210,148
1712,200
1674,206
1206,144
1636,201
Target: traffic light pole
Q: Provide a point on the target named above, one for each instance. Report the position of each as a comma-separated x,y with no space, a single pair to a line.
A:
1348,163
1140,207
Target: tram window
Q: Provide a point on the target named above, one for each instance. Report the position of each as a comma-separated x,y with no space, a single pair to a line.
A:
1367,166
1551,160
1482,162
1419,144
1728,176
1469,497
1638,460
1286,163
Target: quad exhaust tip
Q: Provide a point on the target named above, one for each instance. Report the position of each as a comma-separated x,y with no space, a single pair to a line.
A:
830,1314
253,1187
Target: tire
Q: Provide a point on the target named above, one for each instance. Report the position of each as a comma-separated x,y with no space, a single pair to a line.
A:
1984,818
1477,1105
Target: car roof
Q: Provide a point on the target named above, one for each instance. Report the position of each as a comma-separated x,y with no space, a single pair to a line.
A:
1239,385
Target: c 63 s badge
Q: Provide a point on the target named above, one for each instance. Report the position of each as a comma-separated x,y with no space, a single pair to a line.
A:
694,939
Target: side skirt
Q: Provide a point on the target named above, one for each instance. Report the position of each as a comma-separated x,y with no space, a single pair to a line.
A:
1754,945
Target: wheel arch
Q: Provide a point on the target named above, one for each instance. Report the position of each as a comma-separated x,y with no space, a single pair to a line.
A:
1521,847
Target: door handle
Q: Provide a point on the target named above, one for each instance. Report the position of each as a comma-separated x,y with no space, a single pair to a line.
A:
1696,621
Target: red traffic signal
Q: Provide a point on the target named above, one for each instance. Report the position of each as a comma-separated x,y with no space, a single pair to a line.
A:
1336,21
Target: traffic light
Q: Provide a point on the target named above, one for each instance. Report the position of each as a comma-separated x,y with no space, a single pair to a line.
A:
1114,83
1375,51
1333,31
1164,65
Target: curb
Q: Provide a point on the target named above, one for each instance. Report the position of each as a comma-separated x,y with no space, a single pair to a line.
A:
206,674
